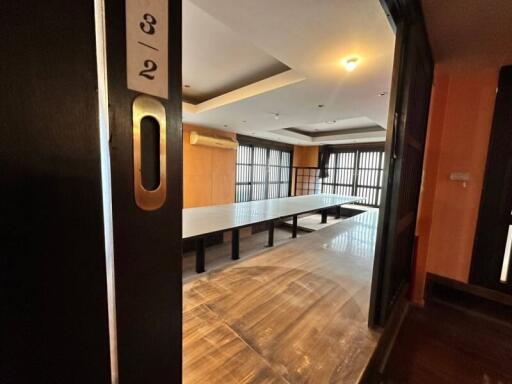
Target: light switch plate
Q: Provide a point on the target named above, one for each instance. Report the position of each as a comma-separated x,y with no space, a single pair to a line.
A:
459,176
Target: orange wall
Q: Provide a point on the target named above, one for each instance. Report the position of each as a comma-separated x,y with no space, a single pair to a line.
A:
460,120
305,156
208,173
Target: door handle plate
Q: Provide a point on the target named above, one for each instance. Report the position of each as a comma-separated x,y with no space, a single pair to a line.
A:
145,106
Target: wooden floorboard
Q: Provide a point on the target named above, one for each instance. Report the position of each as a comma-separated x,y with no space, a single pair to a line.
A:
216,354
440,344
296,314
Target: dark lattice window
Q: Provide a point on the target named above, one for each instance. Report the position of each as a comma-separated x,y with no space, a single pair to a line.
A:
262,173
356,172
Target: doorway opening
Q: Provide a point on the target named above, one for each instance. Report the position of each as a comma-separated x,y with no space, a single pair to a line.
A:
285,115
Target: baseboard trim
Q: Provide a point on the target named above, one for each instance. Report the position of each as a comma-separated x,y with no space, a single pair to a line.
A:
469,297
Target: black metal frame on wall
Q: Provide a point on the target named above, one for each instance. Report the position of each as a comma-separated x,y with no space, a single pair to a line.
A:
356,171
352,170
307,181
405,141
263,169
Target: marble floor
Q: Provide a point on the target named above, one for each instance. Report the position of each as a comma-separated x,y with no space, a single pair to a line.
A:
295,313
314,222
219,255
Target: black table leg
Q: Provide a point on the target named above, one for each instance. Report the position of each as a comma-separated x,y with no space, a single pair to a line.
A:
271,233
324,216
235,244
200,255
294,228
338,212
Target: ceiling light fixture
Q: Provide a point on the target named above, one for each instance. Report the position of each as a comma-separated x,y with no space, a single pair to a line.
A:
276,116
350,64
331,122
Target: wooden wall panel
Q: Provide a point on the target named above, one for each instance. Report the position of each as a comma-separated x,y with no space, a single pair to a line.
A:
208,173
305,156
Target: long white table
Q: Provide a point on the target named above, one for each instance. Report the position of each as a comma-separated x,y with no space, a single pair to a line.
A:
201,221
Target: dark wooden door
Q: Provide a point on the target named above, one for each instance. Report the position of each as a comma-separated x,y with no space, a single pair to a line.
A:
494,226
147,243
53,291
405,141
60,322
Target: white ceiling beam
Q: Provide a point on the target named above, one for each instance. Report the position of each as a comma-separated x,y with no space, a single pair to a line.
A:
280,80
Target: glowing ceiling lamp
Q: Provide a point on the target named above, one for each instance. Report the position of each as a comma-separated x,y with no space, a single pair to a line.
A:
350,64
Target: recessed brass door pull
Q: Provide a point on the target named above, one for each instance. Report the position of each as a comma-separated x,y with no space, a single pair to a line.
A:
149,196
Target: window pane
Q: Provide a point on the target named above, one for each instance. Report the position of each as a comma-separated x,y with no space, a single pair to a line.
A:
284,190
285,159
356,172
274,157
273,175
261,173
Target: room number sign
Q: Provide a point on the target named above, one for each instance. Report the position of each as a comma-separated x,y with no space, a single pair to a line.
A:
147,32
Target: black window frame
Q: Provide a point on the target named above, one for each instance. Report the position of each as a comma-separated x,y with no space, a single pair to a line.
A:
265,165
364,174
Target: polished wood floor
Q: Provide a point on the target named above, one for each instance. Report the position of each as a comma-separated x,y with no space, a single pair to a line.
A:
443,345
294,314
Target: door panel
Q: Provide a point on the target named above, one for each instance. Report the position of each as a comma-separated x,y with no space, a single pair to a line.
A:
495,215
53,297
147,242
412,81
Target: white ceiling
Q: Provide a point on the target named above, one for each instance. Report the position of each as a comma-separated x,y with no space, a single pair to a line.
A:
216,60
310,37
334,125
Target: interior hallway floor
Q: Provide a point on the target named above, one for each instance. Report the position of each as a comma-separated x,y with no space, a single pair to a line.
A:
444,345
295,313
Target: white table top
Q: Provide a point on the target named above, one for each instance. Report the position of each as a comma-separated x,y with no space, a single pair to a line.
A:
204,220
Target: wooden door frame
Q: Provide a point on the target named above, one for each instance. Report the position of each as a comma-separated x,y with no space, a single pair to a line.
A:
147,243
384,210
487,258
401,14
